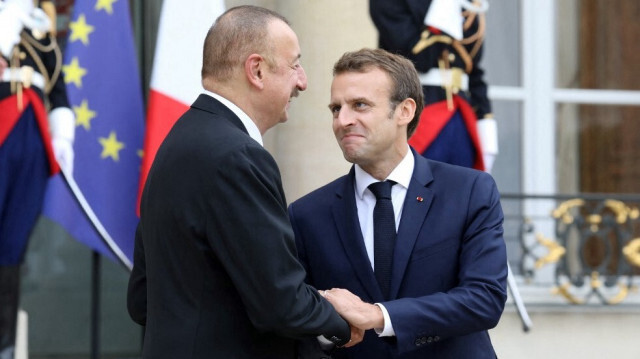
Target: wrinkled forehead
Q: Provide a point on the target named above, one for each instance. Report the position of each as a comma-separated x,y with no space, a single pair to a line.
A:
372,83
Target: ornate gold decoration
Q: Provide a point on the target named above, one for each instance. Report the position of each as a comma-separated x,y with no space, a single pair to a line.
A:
426,41
622,211
632,252
595,284
614,209
556,251
595,280
563,290
624,291
562,212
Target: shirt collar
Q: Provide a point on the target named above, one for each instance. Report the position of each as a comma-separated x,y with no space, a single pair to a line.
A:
401,174
251,127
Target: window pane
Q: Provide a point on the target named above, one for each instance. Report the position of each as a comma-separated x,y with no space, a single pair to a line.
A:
598,148
597,45
502,49
507,169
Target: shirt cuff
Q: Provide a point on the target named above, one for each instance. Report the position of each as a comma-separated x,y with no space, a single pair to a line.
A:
387,331
325,343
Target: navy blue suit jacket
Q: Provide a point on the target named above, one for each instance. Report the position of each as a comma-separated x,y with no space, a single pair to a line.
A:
449,267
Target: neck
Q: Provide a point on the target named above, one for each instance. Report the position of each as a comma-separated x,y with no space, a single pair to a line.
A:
381,169
241,98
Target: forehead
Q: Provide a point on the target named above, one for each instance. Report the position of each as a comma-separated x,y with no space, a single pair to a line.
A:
372,84
285,41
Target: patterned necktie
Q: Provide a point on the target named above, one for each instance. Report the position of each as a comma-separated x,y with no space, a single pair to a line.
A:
384,234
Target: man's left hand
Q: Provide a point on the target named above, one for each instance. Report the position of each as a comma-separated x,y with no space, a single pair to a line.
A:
358,313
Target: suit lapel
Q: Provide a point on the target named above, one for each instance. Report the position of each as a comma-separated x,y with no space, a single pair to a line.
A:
213,106
345,215
414,213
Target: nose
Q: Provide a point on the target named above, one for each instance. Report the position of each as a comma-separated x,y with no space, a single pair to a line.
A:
302,79
343,118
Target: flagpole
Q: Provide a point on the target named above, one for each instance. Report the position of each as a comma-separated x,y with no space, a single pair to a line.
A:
517,299
95,304
95,222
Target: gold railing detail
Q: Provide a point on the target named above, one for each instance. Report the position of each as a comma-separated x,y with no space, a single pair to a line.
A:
563,290
632,252
622,211
562,212
556,251
595,248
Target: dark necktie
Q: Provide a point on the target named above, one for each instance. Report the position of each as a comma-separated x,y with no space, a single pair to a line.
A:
384,234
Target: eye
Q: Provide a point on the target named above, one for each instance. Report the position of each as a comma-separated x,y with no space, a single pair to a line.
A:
360,105
295,66
335,109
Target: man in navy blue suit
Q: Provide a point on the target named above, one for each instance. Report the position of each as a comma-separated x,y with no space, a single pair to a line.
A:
448,265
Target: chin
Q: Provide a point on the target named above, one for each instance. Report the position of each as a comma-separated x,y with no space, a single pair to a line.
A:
350,156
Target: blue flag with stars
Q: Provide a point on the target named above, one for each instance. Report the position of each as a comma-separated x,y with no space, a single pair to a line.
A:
100,71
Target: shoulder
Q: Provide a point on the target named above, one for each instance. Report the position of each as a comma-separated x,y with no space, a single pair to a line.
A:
458,177
449,170
209,144
324,195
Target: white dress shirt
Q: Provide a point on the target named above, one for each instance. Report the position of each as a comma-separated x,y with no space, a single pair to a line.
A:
251,127
366,201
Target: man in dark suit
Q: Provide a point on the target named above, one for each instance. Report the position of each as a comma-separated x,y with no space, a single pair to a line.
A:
445,281
215,271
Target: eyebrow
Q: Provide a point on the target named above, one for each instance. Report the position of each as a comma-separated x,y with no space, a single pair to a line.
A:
350,101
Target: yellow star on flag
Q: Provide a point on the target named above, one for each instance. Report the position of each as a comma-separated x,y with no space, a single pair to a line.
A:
84,115
106,5
80,30
111,146
73,72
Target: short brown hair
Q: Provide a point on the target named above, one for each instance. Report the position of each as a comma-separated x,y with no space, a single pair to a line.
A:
403,75
236,34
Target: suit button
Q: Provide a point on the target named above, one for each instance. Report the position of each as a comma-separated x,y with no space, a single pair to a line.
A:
423,340
429,340
436,338
418,342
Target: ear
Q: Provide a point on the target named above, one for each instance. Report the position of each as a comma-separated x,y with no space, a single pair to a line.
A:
254,68
406,110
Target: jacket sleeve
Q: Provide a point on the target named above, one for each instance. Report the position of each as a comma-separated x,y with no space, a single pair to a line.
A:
137,289
256,246
477,301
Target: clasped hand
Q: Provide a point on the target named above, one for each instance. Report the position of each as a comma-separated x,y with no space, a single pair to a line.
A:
360,315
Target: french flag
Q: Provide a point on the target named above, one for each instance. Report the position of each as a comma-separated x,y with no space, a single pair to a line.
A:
175,78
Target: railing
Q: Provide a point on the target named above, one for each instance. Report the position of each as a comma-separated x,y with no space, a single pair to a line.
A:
588,245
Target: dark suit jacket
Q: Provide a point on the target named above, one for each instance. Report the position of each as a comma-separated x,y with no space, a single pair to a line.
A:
449,267
215,271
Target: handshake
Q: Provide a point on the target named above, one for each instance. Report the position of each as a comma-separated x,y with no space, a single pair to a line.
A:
360,315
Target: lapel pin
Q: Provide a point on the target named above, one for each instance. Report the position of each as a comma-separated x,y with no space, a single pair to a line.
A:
419,199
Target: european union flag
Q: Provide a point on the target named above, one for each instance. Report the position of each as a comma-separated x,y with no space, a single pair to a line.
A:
101,74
